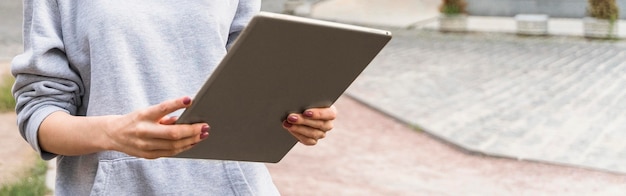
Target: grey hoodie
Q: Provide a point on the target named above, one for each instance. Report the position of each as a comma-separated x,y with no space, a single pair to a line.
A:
108,57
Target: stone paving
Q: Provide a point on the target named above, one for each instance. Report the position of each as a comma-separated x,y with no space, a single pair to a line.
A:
553,99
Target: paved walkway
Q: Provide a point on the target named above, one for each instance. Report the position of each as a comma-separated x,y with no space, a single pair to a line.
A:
556,99
369,153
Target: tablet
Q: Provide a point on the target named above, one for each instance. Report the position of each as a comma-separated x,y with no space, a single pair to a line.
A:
279,64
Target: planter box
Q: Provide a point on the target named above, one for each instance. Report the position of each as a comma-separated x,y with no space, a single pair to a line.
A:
600,28
453,23
532,24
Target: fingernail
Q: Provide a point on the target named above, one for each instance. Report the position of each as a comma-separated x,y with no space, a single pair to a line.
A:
205,128
204,135
308,113
205,132
287,124
186,100
292,118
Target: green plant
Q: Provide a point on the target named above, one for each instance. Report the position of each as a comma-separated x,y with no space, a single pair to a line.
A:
603,9
417,128
34,184
452,7
7,102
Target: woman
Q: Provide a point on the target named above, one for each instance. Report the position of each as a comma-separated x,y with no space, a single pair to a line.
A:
99,80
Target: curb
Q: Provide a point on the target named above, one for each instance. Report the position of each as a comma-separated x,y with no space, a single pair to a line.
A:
51,175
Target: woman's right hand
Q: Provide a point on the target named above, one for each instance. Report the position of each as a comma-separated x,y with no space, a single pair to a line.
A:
150,133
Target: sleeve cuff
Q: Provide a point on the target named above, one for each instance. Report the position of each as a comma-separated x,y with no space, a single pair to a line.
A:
32,130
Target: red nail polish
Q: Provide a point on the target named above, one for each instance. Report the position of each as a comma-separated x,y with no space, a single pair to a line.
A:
292,119
186,100
287,124
308,113
204,135
205,129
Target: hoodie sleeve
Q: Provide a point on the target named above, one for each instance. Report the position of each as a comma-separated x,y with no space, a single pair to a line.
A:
44,80
245,11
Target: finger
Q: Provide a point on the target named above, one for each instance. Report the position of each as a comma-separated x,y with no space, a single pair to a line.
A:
178,132
155,148
169,145
297,119
329,113
154,154
168,120
305,131
170,153
303,139
156,112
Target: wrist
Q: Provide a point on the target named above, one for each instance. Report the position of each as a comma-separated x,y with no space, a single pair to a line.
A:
104,130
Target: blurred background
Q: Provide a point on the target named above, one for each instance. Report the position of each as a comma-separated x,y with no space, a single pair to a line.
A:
471,97
10,29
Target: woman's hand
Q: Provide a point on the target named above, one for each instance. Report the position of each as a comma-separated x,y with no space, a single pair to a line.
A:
311,125
149,133
145,133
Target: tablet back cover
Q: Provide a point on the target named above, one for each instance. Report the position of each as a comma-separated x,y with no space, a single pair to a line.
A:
278,65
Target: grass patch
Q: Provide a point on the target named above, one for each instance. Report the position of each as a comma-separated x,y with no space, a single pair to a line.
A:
7,103
33,184
417,128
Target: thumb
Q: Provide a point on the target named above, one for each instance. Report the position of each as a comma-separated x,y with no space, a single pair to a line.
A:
158,111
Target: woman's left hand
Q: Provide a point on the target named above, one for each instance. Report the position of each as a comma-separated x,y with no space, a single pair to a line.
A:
311,125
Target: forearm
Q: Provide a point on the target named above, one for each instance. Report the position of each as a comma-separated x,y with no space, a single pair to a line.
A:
63,134
146,133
